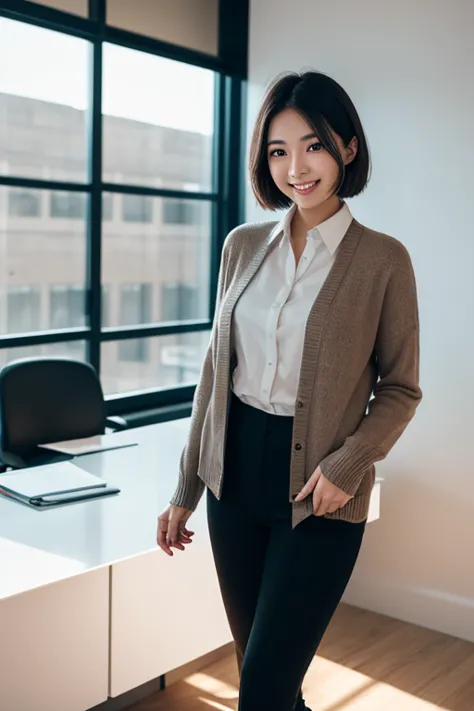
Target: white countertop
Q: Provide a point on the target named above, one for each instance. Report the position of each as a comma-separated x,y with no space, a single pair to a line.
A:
42,546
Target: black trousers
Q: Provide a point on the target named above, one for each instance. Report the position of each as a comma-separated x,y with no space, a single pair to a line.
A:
280,587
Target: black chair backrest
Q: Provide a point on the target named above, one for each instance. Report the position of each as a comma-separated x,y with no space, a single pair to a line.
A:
44,400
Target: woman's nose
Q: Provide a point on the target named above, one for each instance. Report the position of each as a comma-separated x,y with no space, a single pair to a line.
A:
298,167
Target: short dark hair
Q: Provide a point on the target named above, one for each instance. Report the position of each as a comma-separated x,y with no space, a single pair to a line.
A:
324,104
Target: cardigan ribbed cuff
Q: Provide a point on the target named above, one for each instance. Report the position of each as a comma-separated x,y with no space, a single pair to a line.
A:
188,492
345,468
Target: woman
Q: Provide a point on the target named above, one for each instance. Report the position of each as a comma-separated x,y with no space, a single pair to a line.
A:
311,376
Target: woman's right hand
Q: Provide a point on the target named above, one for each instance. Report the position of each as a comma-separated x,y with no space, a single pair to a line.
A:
172,529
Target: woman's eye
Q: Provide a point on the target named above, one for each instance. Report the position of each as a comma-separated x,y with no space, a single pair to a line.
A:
278,152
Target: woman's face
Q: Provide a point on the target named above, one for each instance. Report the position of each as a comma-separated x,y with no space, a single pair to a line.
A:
301,168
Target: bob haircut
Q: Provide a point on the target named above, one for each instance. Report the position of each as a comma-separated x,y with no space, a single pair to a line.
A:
324,105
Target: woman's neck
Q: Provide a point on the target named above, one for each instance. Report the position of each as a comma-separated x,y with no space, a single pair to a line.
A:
305,220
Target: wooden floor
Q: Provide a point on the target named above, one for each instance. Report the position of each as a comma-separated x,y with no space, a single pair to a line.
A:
366,662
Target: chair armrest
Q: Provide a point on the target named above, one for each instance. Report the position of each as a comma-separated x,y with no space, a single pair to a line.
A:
116,423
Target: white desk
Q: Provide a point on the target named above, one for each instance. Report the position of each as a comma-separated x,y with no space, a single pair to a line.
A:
89,606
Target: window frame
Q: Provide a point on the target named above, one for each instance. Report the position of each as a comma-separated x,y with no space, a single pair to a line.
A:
228,189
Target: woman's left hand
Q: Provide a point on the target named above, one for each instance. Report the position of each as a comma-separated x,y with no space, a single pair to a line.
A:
327,497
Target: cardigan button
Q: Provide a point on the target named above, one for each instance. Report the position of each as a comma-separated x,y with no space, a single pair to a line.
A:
300,403
298,446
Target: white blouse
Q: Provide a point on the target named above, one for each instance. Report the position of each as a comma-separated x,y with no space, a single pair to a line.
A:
270,316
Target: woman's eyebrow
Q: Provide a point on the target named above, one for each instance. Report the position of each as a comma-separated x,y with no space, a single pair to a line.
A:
279,142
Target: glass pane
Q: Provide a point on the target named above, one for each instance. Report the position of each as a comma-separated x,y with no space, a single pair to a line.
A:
105,306
24,202
137,208
160,362
70,206
71,349
42,261
78,7
107,206
189,23
67,306
157,265
164,141
42,103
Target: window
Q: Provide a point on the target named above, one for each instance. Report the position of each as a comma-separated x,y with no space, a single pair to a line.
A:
23,311
36,253
23,203
164,205
137,208
179,212
43,102
158,256
68,205
164,141
179,302
67,307
135,308
68,349
135,304
173,360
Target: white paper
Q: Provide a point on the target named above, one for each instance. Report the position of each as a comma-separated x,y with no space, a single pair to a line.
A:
86,445
52,478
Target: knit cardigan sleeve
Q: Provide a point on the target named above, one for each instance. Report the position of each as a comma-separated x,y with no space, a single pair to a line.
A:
190,487
396,394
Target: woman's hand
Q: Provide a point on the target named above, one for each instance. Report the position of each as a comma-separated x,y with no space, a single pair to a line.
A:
172,529
327,497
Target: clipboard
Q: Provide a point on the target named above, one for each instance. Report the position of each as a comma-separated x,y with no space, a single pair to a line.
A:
53,484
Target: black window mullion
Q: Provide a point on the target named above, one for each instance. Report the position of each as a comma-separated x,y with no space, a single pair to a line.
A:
97,11
48,17
235,152
94,227
218,226
123,188
41,184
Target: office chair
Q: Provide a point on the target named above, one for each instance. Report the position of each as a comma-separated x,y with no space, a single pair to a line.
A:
45,400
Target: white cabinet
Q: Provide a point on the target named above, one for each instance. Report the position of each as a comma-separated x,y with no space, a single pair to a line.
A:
165,612
374,508
54,646
156,612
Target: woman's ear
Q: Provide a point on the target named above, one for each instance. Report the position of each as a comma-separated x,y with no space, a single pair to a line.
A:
351,151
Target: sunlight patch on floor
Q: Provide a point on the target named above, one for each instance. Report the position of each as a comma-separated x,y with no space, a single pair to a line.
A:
333,687
328,686
211,685
216,705
388,697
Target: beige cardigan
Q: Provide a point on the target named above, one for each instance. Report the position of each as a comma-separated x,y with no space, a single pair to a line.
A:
361,339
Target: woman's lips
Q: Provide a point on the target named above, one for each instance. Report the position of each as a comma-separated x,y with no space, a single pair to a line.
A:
306,188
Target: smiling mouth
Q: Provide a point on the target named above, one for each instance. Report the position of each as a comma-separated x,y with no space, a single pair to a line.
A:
305,188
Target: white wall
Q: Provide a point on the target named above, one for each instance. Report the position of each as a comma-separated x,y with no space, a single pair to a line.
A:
409,69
